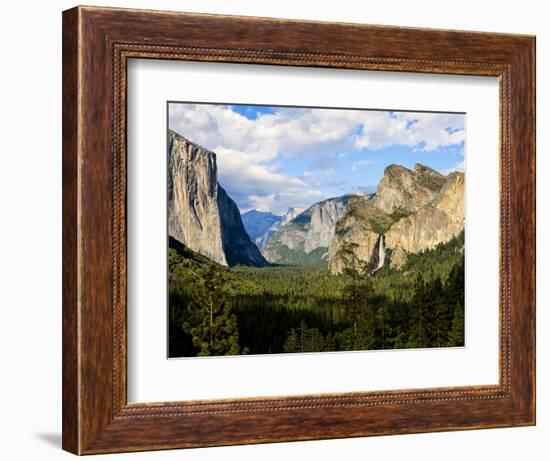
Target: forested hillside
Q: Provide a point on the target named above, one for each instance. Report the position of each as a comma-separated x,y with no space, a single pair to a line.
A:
215,310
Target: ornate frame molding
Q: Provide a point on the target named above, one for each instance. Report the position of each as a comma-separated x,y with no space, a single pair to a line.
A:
97,44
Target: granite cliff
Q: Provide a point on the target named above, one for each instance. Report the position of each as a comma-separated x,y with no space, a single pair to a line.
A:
412,211
306,237
434,223
200,213
404,190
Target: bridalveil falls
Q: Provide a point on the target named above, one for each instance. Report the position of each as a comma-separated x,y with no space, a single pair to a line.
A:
381,252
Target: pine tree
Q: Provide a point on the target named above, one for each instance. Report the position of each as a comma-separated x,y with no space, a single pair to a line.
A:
455,284
355,301
210,320
456,335
455,298
420,302
291,344
435,318
305,339
330,343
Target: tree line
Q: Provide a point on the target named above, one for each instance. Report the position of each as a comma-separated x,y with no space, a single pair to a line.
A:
216,311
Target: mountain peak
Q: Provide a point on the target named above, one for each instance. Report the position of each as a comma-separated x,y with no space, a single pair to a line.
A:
394,168
428,177
173,136
402,189
419,168
258,213
190,148
291,214
412,211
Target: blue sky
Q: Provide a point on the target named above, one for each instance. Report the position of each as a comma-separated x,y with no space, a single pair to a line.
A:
271,158
253,112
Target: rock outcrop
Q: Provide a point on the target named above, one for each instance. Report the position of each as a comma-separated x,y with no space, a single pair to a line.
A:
291,214
407,190
412,211
434,223
357,231
308,235
200,213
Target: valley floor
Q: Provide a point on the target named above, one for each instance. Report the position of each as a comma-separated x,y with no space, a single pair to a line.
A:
243,310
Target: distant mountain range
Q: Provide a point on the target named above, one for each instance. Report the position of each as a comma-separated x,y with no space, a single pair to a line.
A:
305,239
411,211
258,225
263,225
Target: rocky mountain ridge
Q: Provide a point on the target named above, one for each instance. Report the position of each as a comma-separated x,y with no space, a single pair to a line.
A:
412,211
310,231
401,189
261,226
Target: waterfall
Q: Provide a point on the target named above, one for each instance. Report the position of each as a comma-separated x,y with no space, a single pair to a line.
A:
381,252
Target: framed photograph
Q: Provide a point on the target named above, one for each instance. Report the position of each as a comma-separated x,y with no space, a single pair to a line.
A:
282,230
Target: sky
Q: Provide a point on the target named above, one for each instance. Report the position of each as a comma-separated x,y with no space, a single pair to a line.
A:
272,158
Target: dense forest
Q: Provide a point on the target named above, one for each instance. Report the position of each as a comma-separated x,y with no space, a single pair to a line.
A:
219,311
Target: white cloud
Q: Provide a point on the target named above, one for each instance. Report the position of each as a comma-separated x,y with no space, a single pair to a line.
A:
237,172
360,163
423,131
280,202
262,202
328,172
458,167
292,132
252,153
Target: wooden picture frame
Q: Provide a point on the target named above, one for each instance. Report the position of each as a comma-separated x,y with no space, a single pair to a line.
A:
97,43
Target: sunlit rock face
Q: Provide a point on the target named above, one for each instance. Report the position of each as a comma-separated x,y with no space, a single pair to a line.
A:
307,235
415,210
200,213
434,223
412,211
356,230
402,189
